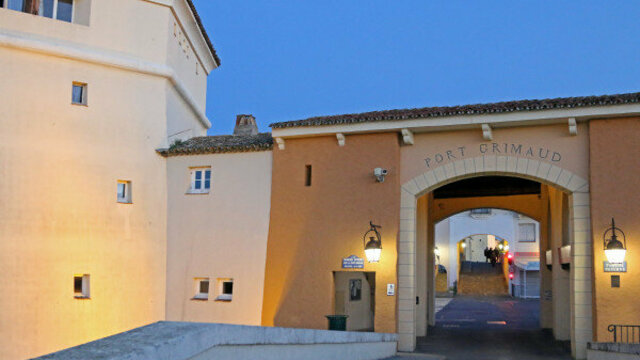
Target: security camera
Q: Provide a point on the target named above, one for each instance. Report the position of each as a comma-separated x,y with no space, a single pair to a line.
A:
380,173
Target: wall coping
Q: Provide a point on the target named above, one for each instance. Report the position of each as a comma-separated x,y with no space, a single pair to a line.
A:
615,347
182,340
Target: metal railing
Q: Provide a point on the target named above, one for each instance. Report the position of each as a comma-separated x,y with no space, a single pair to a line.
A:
629,334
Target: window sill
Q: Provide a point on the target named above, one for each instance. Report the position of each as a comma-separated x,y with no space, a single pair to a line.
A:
78,104
197,193
125,202
199,299
81,297
224,298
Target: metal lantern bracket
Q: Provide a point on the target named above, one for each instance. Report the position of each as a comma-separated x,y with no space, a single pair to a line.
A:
374,229
614,237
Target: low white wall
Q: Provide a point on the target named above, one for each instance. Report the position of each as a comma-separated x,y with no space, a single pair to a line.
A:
607,355
352,351
612,351
166,340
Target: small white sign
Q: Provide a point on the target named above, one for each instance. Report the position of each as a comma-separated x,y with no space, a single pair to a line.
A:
391,289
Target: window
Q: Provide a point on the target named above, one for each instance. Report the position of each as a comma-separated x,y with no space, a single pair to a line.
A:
124,192
200,180
225,290
79,94
202,289
53,9
527,232
307,181
81,286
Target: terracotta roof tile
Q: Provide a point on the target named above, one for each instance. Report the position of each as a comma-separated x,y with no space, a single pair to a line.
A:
220,144
475,109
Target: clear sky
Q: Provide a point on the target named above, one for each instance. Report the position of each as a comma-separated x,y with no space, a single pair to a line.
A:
293,59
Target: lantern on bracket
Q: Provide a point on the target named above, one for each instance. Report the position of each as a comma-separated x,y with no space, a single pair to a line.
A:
372,247
614,249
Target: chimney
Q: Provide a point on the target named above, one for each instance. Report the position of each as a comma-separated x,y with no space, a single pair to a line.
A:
245,125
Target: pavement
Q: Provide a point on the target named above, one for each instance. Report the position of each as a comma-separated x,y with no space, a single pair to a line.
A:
495,328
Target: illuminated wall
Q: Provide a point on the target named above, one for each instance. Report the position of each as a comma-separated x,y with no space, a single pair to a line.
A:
221,234
60,164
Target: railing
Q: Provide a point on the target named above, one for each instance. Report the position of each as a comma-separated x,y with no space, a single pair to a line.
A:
629,334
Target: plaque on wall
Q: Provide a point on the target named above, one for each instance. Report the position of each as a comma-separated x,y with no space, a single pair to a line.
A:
615,267
353,262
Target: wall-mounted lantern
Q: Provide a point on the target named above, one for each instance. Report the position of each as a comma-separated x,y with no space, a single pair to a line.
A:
614,249
373,247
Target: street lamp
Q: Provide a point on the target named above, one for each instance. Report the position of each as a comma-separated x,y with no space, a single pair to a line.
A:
613,248
373,247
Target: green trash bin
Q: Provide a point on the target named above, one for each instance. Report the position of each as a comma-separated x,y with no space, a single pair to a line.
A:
337,322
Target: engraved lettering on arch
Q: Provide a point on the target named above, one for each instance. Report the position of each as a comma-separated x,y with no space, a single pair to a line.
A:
493,148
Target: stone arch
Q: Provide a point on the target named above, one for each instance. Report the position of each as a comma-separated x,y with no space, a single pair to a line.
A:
544,172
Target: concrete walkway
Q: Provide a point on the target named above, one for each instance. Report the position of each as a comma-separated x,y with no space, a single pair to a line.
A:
492,328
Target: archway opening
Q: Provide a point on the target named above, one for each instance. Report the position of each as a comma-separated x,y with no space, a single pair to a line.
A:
491,235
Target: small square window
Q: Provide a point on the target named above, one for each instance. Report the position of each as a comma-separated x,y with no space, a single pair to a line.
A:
201,289
124,191
225,290
79,94
200,180
81,286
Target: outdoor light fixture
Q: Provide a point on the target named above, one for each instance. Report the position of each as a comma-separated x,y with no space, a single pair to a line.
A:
463,245
500,246
436,251
613,248
373,247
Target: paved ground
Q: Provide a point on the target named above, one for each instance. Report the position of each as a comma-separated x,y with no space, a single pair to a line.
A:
441,302
492,328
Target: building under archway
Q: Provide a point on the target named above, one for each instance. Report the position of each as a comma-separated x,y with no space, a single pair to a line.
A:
333,175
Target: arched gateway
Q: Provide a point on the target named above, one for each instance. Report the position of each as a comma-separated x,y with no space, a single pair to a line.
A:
571,161
492,165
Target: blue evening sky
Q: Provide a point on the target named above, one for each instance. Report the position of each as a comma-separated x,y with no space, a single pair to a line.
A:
293,59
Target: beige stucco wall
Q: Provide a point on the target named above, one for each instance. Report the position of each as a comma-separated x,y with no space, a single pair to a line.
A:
222,234
60,164
551,138
314,227
59,212
614,188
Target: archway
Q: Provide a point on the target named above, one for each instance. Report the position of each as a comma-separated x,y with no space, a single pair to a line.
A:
580,238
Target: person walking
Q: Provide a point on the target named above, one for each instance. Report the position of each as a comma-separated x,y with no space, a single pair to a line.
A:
486,254
492,257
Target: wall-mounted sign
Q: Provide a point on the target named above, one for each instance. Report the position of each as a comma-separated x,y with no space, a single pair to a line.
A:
353,262
391,289
615,267
502,149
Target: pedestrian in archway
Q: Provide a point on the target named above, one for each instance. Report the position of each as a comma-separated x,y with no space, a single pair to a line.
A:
496,254
492,257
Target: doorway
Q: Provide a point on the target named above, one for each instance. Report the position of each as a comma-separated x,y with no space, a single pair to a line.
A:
548,203
355,297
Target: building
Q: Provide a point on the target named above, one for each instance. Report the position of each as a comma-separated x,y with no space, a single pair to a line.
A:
90,89
550,160
117,210
486,228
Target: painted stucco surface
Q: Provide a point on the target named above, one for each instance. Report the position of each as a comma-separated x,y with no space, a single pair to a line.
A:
59,211
59,214
542,141
615,155
167,340
218,235
313,228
